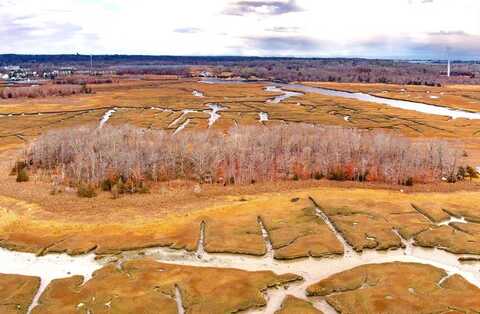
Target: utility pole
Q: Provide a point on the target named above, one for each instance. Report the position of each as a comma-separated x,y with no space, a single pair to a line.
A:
91,64
449,66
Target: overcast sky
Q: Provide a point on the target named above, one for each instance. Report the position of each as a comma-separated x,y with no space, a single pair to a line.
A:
323,28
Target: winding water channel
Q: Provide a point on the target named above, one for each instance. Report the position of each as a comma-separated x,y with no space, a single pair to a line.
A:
396,103
292,90
53,266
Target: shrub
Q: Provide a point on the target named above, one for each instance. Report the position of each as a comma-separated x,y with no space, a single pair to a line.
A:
115,191
472,173
453,178
19,165
142,188
408,182
44,91
83,80
22,175
318,176
107,185
86,190
337,175
461,173
362,177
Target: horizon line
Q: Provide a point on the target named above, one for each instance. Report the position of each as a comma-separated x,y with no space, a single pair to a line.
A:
244,57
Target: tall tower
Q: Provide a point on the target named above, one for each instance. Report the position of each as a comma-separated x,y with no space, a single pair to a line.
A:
448,68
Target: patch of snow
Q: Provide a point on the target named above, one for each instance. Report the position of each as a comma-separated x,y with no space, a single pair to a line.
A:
107,117
453,219
285,95
214,116
181,127
263,116
178,300
184,113
197,93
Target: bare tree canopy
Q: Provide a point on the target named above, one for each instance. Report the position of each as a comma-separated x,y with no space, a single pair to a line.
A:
241,156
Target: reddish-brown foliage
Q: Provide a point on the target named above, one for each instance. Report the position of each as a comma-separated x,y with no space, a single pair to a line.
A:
43,91
83,79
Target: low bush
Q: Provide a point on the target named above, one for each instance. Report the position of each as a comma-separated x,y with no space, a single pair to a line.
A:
86,190
43,91
408,181
19,165
83,80
107,184
22,175
471,172
115,191
338,174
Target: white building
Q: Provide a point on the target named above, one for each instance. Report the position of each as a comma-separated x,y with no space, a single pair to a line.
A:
12,68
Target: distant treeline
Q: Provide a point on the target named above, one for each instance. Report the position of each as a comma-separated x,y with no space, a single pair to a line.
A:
9,59
359,70
43,91
432,73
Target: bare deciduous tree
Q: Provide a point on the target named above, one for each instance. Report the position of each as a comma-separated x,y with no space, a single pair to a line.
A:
241,156
43,91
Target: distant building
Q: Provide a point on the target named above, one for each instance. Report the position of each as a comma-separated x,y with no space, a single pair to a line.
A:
65,71
12,68
205,74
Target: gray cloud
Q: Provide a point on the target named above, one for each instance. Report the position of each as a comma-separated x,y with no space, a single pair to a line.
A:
282,29
23,34
421,1
436,45
458,44
246,7
277,44
449,33
187,30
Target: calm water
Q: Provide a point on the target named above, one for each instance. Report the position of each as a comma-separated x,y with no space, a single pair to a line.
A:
402,104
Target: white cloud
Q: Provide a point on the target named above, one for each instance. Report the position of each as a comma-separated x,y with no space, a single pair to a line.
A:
372,28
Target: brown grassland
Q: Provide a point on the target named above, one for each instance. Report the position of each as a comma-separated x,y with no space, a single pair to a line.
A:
367,215
147,286
463,97
398,288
